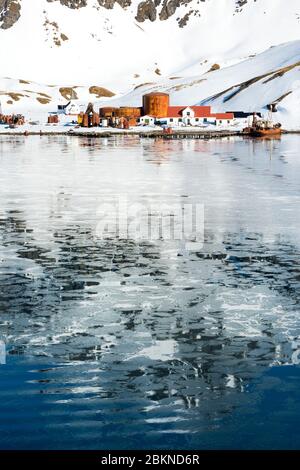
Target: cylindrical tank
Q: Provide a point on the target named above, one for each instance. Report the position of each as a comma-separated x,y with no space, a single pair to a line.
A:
117,112
156,104
129,112
107,112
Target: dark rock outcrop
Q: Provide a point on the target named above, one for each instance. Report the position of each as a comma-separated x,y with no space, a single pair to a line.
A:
169,7
74,4
108,4
152,10
9,13
146,11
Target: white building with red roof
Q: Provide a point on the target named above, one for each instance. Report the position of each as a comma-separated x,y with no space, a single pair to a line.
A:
156,109
195,116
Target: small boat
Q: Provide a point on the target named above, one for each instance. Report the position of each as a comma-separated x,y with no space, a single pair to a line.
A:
266,132
264,128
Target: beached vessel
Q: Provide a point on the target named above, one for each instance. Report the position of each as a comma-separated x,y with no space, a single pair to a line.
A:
264,127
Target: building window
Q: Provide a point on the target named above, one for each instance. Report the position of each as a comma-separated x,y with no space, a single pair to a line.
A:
228,122
197,119
171,119
205,120
188,113
180,119
220,122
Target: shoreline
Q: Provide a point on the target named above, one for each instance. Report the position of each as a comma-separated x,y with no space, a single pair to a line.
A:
176,134
142,134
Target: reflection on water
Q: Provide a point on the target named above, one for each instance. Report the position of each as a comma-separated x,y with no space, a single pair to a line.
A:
128,344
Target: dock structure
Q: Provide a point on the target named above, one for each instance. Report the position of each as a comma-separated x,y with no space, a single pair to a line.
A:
205,135
153,134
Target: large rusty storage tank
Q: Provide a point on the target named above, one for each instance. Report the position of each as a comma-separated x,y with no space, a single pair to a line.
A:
130,112
124,111
107,112
156,104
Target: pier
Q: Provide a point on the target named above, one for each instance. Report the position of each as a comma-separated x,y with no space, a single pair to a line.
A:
194,135
155,134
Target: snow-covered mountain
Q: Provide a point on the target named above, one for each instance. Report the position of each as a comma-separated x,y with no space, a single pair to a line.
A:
108,43
226,52
272,77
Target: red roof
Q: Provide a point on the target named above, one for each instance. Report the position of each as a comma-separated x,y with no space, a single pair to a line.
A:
175,111
223,115
200,111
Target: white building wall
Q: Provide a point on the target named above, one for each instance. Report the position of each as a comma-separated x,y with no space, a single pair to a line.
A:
148,120
194,121
190,120
224,122
243,122
172,122
188,113
184,121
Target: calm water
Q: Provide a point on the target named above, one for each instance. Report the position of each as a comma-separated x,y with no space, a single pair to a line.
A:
142,344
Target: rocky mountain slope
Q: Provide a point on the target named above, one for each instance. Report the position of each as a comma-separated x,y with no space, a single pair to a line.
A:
272,77
119,44
145,10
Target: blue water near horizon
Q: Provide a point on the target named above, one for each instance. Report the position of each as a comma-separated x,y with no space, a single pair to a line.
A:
126,344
